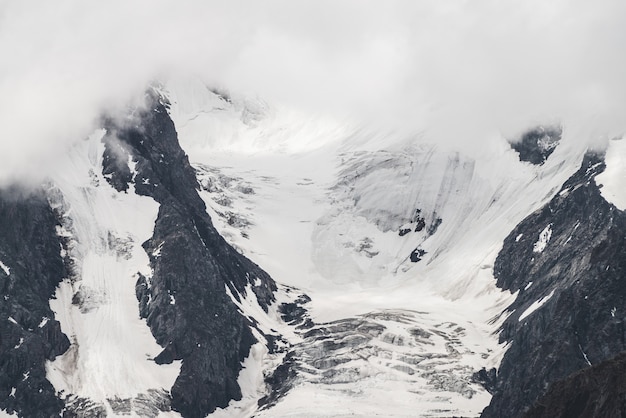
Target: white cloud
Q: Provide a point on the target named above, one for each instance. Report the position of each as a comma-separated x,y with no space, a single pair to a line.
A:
464,68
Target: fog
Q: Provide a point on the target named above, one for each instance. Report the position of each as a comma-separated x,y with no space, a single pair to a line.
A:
460,70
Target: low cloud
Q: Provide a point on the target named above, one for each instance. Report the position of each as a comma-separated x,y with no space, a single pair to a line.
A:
459,69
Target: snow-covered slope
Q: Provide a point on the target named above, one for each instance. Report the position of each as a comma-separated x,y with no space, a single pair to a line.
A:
113,351
365,222
613,179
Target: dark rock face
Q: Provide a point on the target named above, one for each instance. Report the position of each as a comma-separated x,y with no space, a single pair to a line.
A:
29,335
185,302
486,378
568,262
280,381
417,254
536,145
598,391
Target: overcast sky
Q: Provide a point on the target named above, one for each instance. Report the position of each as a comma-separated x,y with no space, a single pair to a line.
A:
464,67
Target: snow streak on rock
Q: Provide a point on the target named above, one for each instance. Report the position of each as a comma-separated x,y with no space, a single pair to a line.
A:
536,305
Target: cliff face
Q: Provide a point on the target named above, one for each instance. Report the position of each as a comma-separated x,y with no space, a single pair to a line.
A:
185,301
567,261
31,268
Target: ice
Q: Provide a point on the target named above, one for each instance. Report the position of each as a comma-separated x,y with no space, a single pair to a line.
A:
613,179
535,305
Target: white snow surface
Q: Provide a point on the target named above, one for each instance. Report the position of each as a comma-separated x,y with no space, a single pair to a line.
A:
613,179
112,348
319,205
543,240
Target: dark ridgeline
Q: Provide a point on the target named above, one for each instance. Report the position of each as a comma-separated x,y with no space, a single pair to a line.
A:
203,326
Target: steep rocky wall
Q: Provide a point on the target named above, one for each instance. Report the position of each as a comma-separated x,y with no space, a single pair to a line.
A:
568,263
32,267
185,301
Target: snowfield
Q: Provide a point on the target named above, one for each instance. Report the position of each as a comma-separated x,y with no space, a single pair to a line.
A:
364,223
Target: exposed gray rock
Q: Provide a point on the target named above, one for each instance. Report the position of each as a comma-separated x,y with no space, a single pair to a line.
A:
536,145
29,334
568,262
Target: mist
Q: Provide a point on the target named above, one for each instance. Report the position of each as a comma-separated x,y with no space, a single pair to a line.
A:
459,70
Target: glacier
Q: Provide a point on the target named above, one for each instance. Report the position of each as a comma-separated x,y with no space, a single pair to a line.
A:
377,294
324,215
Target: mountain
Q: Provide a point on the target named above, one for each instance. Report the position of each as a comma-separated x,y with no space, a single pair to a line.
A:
210,253
125,202
569,286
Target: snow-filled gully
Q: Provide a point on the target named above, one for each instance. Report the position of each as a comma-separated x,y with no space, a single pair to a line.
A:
110,361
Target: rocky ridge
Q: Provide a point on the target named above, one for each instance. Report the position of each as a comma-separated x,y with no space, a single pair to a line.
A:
567,263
